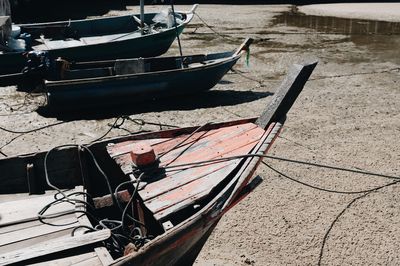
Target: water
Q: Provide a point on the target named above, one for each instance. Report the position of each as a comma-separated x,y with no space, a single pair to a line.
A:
382,39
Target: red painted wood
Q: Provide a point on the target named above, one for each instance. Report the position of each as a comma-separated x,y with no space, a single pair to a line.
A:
178,188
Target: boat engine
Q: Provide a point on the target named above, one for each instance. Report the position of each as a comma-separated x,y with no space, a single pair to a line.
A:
36,69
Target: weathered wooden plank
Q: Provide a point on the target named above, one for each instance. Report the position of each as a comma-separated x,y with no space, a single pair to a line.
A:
178,189
211,142
27,209
89,262
178,178
21,226
124,160
26,243
207,139
106,201
104,256
125,147
183,177
286,94
181,197
68,261
35,231
247,170
53,246
218,148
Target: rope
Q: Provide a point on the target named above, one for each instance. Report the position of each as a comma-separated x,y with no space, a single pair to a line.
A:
318,188
321,253
32,130
183,141
137,121
224,36
331,167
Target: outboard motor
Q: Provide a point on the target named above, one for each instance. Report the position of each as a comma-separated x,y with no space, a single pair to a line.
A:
37,68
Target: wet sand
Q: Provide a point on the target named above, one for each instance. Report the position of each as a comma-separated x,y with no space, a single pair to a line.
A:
373,11
347,116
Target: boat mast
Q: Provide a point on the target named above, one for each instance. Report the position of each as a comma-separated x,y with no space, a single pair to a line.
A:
177,33
142,17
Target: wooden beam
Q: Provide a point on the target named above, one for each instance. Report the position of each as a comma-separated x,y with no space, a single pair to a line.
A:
286,94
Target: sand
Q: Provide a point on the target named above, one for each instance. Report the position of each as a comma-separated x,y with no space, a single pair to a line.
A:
347,116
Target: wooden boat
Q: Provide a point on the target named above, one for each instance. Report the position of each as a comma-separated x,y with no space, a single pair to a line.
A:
96,39
147,199
106,83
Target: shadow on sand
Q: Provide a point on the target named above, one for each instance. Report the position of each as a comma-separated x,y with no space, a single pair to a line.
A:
207,99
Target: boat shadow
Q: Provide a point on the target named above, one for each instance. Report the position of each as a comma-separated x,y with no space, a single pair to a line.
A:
208,99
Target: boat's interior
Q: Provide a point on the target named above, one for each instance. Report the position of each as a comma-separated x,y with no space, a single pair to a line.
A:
66,34
69,71
108,199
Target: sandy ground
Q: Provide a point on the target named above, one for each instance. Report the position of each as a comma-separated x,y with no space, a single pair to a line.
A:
347,116
374,11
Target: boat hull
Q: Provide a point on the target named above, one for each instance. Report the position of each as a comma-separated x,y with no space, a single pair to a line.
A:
134,88
132,45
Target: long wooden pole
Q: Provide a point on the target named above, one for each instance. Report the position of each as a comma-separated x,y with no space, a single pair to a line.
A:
142,16
177,33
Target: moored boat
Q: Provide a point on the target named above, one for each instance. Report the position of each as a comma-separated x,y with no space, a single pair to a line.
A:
96,39
146,199
116,82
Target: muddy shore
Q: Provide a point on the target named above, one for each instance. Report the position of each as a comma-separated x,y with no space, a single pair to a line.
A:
348,116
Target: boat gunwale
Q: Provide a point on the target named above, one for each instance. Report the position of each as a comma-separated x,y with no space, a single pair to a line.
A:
225,60
119,41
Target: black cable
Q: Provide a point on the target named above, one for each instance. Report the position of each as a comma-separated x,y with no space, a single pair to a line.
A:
82,226
32,130
142,122
321,253
240,73
119,205
330,167
184,140
9,142
137,121
111,128
130,201
318,188
224,36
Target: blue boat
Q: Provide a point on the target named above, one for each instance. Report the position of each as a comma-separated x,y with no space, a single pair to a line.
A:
101,83
97,39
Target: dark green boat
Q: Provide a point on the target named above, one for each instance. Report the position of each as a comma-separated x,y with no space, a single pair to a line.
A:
115,82
97,39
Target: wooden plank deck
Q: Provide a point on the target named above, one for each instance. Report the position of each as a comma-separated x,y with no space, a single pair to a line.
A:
23,237
176,189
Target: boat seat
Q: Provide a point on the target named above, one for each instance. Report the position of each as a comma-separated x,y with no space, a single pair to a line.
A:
131,66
